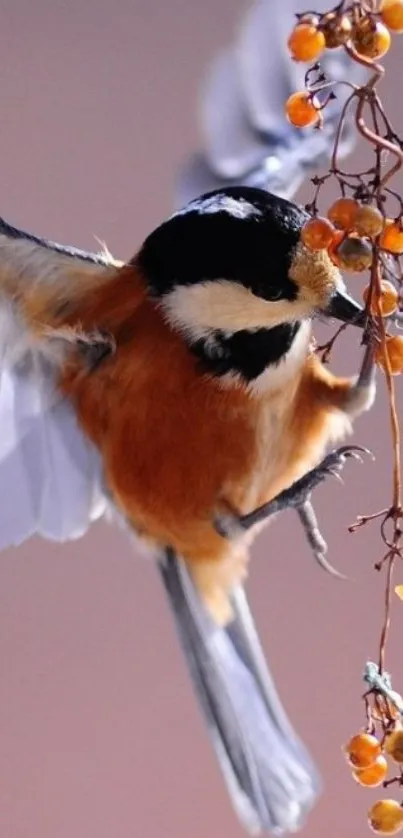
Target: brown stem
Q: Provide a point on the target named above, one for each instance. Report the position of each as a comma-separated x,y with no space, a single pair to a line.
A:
386,622
333,163
364,519
378,142
371,185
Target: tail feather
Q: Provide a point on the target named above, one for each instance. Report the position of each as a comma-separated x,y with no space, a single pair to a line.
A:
270,776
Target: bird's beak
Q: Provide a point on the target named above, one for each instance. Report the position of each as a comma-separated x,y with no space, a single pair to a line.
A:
343,307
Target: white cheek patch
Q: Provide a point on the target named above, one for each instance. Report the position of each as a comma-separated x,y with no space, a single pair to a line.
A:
226,306
197,311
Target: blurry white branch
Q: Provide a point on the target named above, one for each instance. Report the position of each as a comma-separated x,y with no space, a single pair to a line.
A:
382,683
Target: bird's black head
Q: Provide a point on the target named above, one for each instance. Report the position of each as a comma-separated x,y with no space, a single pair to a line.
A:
239,234
230,271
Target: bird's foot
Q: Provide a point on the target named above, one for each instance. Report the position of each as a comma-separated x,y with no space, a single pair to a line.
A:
297,496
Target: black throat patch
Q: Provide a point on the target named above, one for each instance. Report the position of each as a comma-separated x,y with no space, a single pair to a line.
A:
247,353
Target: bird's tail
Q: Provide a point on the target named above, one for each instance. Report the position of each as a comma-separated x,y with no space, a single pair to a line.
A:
271,778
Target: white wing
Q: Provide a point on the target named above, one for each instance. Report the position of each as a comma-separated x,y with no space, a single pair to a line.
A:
246,137
50,473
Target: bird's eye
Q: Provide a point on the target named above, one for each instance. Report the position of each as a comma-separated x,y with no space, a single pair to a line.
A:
273,294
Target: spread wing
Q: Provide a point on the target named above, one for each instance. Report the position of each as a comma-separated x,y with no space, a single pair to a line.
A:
245,134
50,474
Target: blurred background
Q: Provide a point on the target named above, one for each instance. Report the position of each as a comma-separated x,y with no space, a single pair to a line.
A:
100,735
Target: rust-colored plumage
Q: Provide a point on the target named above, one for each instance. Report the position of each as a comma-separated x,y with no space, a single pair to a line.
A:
178,445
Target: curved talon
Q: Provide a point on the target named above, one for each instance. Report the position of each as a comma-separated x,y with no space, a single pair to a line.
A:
336,459
325,565
350,451
316,541
356,456
334,473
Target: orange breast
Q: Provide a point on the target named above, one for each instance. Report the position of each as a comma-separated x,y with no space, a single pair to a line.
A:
176,444
171,438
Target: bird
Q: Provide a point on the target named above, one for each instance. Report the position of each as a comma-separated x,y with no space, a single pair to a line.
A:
179,394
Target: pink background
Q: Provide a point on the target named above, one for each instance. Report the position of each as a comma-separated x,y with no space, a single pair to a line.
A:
99,732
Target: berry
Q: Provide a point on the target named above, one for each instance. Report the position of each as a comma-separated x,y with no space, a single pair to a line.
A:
368,221
388,299
394,349
372,776
392,14
363,749
306,42
394,742
343,212
337,30
392,237
302,109
317,234
355,254
338,237
371,38
386,817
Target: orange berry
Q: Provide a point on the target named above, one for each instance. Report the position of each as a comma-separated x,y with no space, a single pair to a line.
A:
343,212
394,349
317,233
338,237
368,221
371,38
392,14
372,776
337,30
302,109
306,42
394,740
355,254
392,237
386,817
389,298
363,749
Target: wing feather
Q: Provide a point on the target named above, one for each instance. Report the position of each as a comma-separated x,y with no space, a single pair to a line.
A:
246,136
50,473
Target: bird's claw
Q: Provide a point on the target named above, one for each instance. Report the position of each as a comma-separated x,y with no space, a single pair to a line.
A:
335,461
298,494
331,465
315,539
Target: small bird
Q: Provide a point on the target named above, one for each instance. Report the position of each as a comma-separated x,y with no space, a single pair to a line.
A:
180,392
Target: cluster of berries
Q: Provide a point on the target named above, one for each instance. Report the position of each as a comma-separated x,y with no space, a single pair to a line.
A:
347,234
366,756
367,34
358,235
